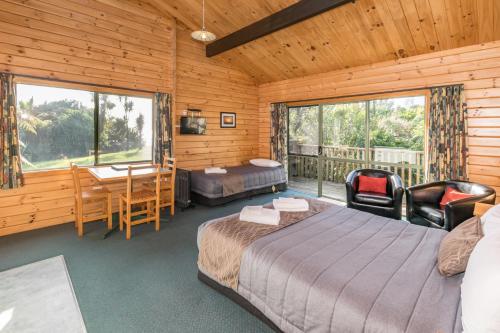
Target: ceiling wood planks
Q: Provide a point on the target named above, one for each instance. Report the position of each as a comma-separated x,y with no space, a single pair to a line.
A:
291,15
363,33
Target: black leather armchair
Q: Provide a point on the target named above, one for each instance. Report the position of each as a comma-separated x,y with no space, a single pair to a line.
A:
379,204
423,203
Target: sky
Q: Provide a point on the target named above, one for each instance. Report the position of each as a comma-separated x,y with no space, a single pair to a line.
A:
42,94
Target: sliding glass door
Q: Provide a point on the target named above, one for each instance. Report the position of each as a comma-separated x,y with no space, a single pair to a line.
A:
327,141
343,145
303,148
397,137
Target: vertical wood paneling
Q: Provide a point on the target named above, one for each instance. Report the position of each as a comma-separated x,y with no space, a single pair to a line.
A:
496,20
486,12
477,67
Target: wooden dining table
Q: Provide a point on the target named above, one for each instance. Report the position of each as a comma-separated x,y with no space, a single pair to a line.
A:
109,174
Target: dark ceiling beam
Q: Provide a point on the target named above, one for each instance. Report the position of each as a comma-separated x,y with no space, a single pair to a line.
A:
291,15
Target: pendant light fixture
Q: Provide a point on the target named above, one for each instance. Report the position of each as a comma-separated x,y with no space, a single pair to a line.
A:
203,35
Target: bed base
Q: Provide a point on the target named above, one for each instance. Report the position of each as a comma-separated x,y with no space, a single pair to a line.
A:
238,299
211,202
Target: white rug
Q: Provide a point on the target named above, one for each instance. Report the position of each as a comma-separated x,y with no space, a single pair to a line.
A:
39,297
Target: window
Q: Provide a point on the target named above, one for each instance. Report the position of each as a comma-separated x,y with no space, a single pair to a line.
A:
327,141
59,125
303,136
397,130
344,125
125,129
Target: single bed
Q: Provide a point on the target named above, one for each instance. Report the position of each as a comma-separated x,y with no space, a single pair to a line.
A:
341,270
217,189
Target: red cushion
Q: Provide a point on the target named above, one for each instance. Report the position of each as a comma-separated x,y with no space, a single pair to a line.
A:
372,184
452,194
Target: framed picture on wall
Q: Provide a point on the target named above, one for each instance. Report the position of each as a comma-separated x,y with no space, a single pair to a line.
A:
227,120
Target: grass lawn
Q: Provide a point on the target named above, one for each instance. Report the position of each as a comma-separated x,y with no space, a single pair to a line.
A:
122,156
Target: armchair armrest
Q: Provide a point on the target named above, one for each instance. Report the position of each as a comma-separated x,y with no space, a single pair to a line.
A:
397,187
351,185
397,193
458,211
427,193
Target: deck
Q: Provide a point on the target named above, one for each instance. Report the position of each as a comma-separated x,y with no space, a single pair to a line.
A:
310,186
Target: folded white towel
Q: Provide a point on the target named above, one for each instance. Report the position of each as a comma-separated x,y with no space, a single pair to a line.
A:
259,214
291,205
215,170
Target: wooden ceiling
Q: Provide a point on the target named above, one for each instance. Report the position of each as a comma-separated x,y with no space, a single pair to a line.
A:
366,32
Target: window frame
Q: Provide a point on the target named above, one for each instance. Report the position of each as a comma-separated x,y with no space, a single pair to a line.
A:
96,129
368,97
96,91
368,146
364,98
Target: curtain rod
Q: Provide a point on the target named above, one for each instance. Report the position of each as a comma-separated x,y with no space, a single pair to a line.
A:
370,94
80,83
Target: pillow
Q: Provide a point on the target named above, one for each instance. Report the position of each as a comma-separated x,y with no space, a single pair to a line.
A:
457,245
452,194
372,184
262,162
481,288
491,221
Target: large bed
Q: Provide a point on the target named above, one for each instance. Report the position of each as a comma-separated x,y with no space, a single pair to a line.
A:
217,189
334,270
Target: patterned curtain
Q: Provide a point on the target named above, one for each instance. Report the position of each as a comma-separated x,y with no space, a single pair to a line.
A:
279,133
10,160
447,150
164,128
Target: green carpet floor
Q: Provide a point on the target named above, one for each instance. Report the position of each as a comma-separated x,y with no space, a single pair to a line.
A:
147,284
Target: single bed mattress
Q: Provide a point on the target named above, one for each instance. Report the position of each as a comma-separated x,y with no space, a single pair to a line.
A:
253,177
344,270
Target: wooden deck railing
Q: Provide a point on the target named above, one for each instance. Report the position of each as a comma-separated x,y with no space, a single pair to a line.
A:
339,161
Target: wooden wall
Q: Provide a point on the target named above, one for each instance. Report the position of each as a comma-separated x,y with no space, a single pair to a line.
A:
477,67
214,87
46,199
97,42
91,41
105,42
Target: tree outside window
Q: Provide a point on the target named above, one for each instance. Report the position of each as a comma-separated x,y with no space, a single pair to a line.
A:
57,126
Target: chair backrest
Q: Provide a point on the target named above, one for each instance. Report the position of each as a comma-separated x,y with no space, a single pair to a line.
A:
170,163
131,177
77,186
75,172
471,188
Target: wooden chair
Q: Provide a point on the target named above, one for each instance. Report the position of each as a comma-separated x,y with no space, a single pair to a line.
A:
145,199
167,185
98,194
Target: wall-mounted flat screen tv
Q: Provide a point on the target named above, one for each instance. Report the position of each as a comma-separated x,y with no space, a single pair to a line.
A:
193,125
